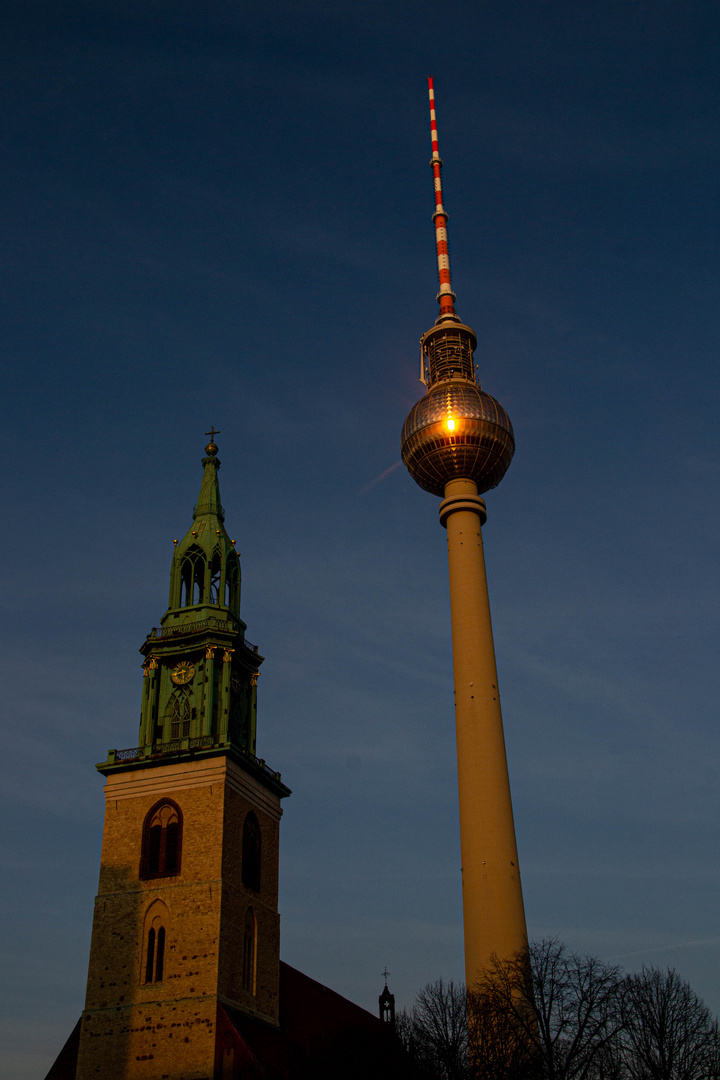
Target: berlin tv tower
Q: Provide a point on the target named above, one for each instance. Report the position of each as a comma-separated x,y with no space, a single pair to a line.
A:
457,442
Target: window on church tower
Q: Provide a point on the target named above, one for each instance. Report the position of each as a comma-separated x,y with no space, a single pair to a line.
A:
162,841
232,583
251,850
237,726
249,951
180,717
192,578
215,578
153,960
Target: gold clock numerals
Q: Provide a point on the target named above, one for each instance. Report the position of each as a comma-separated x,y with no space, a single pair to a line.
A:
182,673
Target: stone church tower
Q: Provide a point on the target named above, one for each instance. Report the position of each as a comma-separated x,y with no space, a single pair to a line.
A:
186,925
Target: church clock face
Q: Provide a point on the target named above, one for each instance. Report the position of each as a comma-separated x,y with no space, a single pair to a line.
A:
182,673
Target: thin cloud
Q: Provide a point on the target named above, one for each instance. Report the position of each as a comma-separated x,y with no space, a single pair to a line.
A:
371,485
666,948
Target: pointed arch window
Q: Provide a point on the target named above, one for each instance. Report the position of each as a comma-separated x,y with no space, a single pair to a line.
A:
162,841
237,729
155,958
215,569
251,852
154,943
249,951
181,714
192,578
232,583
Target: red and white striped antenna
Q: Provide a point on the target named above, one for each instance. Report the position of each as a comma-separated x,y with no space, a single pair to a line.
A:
446,297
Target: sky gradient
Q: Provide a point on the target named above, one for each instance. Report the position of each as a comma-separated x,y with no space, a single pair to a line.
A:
220,213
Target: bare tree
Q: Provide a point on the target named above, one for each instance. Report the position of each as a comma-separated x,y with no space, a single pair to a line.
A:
669,1032
502,1029
550,1013
406,1032
578,1002
435,1032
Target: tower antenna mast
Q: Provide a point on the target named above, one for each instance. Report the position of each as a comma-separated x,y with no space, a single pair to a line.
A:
446,297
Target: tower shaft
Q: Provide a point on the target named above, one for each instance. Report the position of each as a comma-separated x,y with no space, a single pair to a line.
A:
493,911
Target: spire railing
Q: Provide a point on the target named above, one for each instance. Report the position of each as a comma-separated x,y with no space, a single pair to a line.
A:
184,629
179,746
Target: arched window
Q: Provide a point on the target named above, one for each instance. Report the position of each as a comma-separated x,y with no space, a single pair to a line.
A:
251,844
215,565
181,714
236,729
154,938
249,951
192,578
161,841
155,958
232,583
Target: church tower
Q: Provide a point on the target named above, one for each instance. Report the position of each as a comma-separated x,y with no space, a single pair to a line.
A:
457,443
186,928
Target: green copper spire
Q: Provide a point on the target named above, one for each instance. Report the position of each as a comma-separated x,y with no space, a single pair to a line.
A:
209,501
200,672
205,572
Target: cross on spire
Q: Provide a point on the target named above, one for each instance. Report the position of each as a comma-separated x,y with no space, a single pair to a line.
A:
212,433
385,973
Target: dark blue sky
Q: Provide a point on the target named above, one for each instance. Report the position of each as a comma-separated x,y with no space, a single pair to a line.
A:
220,213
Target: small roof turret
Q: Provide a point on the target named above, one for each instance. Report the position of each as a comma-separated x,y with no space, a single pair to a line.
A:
386,1003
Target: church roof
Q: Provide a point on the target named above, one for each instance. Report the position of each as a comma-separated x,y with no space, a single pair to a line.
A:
65,1065
321,1035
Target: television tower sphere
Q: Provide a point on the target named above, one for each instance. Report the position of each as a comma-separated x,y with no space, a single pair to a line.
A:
456,431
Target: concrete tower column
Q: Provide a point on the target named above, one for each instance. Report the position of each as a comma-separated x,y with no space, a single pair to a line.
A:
493,911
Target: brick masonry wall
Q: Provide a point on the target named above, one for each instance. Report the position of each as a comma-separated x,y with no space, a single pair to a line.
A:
163,1040
168,1028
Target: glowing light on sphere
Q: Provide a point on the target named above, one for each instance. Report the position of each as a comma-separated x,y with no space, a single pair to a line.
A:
450,424
479,448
